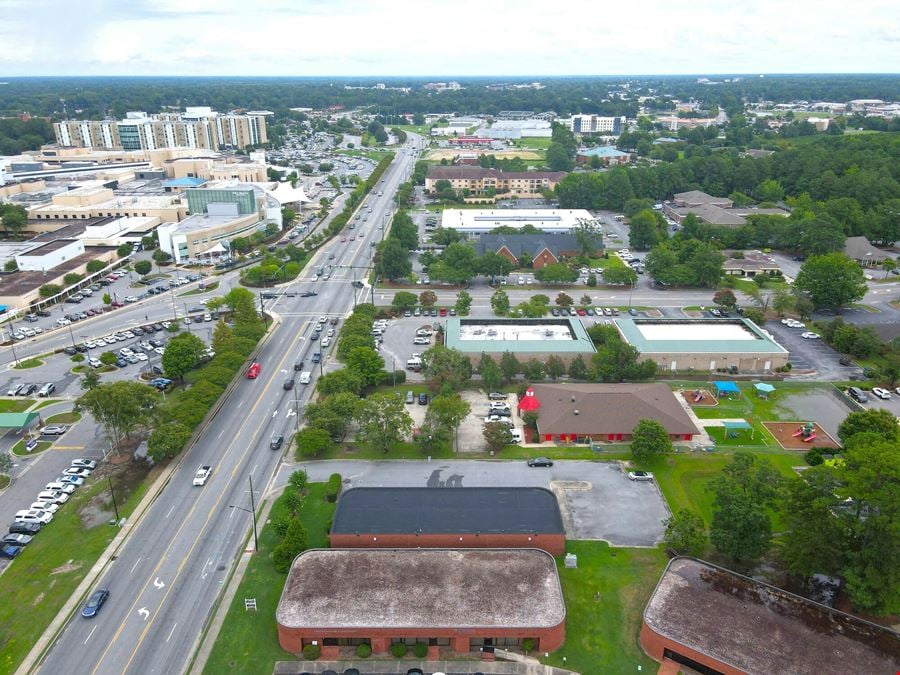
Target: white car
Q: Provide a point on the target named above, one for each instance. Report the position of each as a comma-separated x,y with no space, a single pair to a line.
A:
497,419
63,322
56,486
84,463
130,298
33,516
55,496
128,335
808,335
325,341
499,405
160,350
49,507
881,393
424,332
94,362
202,475
640,475
77,471
141,357
90,344
421,341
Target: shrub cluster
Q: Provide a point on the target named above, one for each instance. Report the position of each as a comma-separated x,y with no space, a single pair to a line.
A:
333,487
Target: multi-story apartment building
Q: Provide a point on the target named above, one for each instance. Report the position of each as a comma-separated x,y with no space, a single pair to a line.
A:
595,124
478,181
197,127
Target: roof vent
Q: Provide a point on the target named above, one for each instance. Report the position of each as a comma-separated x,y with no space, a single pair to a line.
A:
576,411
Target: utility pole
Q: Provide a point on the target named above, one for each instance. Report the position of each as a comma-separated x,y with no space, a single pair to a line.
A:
113,494
253,514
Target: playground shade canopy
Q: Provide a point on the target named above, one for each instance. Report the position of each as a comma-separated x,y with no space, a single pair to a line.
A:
734,426
726,388
764,387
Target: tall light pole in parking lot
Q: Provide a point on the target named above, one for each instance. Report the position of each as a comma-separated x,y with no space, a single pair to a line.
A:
12,343
72,335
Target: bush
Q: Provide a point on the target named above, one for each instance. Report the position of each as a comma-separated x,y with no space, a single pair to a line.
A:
528,645
311,652
398,650
333,487
398,376
77,358
364,651
420,650
814,457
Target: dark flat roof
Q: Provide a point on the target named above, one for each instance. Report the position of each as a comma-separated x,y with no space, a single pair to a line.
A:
758,628
422,588
510,510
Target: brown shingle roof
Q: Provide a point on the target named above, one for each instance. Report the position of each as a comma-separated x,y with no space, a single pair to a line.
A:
757,628
608,408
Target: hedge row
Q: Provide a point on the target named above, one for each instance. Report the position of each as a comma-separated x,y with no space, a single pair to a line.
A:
359,193
333,487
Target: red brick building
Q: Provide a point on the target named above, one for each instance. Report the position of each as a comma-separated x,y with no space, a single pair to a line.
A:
713,620
578,413
541,249
517,517
462,600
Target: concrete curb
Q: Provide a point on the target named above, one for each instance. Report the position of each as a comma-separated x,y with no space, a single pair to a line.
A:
53,629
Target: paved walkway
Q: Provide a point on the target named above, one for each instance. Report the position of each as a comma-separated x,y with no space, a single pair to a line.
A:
702,438
401,666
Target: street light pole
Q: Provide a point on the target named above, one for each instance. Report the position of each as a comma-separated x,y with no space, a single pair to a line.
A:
253,513
113,494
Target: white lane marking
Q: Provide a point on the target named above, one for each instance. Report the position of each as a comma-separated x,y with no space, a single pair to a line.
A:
158,582
133,567
144,613
89,635
231,514
221,434
170,511
171,632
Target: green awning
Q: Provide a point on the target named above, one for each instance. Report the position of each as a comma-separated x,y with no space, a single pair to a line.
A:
16,420
736,425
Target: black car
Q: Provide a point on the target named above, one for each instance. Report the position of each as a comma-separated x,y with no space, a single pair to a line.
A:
95,603
308,294
16,540
298,366
25,528
276,442
157,327
288,384
42,312
314,336
70,351
540,461
423,399
27,390
268,295
81,349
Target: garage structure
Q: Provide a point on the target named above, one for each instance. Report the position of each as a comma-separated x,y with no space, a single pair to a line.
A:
452,599
526,338
713,620
703,345
580,413
502,517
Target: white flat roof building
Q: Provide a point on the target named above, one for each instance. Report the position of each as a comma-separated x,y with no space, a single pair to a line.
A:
473,222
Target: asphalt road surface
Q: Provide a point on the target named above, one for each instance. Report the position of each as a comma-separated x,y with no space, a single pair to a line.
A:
168,574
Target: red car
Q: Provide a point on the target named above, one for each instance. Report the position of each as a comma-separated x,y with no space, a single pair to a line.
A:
581,312
253,371
442,311
343,238
117,303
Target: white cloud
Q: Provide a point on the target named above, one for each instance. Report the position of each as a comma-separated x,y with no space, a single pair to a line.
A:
435,37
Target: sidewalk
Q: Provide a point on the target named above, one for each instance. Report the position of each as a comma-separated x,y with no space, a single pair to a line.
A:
375,666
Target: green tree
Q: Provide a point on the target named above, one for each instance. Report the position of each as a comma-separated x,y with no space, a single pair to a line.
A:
813,538
242,304
783,301
14,219
49,290
619,275
95,266
72,278
888,265
769,191
90,380
448,370
500,302
463,303
143,267
456,265
124,250
556,367
556,273
311,441
120,407
578,368
339,381
564,300
648,440
167,440
587,234
292,545
404,300
685,533
448,411
182,354
367,363
877,421
743,493
509,366
558,159
221,335
334,413
108,358
643,231
494,265
491,375
497,436
831,280
383,421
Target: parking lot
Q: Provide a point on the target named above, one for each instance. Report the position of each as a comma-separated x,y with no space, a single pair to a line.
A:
812,355
599,499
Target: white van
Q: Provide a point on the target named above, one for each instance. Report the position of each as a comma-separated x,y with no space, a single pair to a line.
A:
305,377
516,435
414,364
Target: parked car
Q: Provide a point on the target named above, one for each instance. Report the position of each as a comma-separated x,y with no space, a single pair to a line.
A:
16,539
410,397
883,394
9,551
77,471
30,529
423,399
14,389
28,389
53,430
84,463
640,475
498,396
540,461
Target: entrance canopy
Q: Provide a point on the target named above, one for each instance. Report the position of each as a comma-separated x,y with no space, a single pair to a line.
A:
16,420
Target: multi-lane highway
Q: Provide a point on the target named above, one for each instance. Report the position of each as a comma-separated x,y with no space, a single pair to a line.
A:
166,577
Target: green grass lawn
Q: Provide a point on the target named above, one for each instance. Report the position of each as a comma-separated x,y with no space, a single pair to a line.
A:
602,632
19,448
248,641
43,577
64,418
48,402
29,363
533,143
14,405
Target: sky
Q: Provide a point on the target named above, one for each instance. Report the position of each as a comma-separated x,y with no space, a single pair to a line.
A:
446,37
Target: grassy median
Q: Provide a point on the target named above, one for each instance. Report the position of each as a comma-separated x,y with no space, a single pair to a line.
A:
248,640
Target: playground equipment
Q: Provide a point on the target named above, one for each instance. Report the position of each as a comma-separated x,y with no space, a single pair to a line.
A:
698,396
807,432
